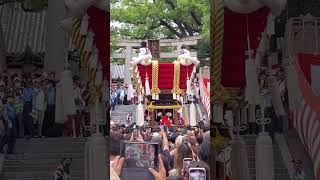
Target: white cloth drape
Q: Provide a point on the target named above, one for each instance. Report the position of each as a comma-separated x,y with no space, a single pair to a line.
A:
140,115
218,113
264,157
239,159
252,89
193,115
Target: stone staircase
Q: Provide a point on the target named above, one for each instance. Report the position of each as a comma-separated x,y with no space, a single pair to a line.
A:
119,114
280,171
36,159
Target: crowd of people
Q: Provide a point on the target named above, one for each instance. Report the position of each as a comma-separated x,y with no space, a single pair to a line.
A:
119,95
27,108
176,144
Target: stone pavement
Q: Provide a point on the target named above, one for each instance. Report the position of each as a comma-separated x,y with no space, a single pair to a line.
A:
299,153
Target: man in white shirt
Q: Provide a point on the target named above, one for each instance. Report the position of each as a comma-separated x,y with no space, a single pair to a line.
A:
38,105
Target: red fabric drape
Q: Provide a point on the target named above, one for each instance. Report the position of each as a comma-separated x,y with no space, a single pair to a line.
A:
142,71
165,75
304,76
305,61
205,81
99,21
184,72
235,43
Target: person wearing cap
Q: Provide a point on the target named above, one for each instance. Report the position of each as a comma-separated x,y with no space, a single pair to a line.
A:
9,117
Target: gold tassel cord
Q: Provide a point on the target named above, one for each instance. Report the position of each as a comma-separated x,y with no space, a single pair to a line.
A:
155,76
218,92
176,79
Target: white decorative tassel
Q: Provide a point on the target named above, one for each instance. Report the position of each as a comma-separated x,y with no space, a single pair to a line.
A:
239,159
185,114
157,96
78,8
218,113
130,92
99,76
69,107
67,24
147,87
275,94
264,157
189,92
193,115
252,89
293,87
89,42
84,25
174,96
94,59
103,5
154,96
140,115
270,25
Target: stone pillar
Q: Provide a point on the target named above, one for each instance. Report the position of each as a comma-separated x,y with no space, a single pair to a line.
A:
127,74
56,38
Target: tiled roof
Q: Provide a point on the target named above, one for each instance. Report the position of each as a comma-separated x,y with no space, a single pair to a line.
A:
22,29
117,71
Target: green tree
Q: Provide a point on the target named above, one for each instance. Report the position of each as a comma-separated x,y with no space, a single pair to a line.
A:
141,19
156,19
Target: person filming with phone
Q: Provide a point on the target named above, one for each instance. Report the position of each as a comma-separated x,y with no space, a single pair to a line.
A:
160,153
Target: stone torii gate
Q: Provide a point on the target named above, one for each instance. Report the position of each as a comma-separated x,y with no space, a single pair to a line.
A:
134,44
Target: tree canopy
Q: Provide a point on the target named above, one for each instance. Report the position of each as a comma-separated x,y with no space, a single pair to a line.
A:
147,19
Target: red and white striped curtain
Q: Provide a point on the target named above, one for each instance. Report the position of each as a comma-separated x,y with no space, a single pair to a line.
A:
306,109
205,97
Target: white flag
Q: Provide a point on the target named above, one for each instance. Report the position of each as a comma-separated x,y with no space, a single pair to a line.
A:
315,79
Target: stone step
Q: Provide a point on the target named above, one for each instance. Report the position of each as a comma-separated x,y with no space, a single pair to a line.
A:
42,178
49,145
275,159
284,171
276,165
51,140
31,156
51,149
276,177
43,167
55,161
36,173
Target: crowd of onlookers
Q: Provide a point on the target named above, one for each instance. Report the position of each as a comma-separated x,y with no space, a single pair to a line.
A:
119,95
175,145
27,108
